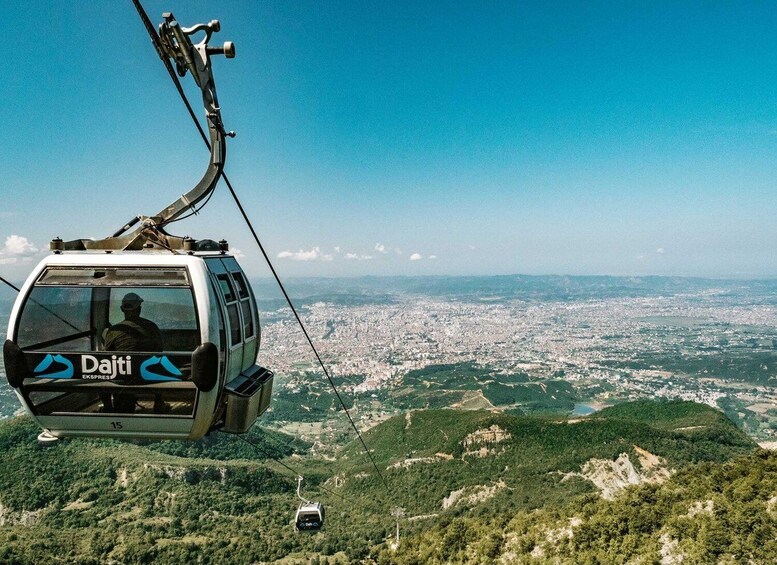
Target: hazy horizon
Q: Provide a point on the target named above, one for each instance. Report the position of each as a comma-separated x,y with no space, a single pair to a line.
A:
269,278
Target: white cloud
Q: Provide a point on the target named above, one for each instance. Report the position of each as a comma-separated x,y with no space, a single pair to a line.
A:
432,257
398,251
312,255
415,257
355,257
18,245
337,249
660,251
17,248
380,248
237,253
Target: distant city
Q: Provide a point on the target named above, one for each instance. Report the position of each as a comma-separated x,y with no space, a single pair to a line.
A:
613,339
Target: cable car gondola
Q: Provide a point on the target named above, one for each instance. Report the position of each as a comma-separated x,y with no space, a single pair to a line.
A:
143,334
310,515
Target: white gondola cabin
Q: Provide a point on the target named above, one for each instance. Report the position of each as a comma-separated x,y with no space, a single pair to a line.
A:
74,379
144,334
310,517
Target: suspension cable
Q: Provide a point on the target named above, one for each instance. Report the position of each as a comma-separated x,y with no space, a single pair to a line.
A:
304,330
57,316
287,467
268,455
157,45
13,286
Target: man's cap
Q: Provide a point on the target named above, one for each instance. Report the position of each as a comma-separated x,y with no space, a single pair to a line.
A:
131,300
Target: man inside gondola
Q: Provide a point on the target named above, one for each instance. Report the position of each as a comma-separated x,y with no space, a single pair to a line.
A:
131,334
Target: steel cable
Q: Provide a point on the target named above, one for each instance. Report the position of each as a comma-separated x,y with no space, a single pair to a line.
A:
157,46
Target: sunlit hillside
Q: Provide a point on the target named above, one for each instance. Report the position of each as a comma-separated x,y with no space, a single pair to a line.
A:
491,484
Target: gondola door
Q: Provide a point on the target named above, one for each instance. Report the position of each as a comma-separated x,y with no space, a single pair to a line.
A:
230,303
248,313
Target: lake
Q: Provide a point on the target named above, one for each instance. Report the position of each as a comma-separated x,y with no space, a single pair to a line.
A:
583,410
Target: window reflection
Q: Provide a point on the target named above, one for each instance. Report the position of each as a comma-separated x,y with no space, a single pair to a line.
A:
77,311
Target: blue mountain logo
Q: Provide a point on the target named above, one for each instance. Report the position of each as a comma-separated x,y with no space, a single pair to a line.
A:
170,371
58,367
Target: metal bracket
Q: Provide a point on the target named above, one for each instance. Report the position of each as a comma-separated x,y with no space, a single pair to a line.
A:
175,44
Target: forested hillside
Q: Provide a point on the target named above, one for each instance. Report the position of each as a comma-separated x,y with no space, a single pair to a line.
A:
707,513
473,486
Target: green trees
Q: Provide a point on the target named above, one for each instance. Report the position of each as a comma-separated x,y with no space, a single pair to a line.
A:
99,501
706,513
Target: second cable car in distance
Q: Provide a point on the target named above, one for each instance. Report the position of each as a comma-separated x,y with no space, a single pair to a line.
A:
143,334
310,515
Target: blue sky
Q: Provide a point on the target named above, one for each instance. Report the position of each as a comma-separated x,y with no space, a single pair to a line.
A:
410,138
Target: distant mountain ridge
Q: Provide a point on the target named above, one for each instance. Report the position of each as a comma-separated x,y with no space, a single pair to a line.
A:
372,289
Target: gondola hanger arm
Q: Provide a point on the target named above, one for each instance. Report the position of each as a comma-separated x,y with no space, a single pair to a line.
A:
174,45
300,478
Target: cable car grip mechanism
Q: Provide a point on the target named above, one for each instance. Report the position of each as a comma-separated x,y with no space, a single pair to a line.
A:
174,45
